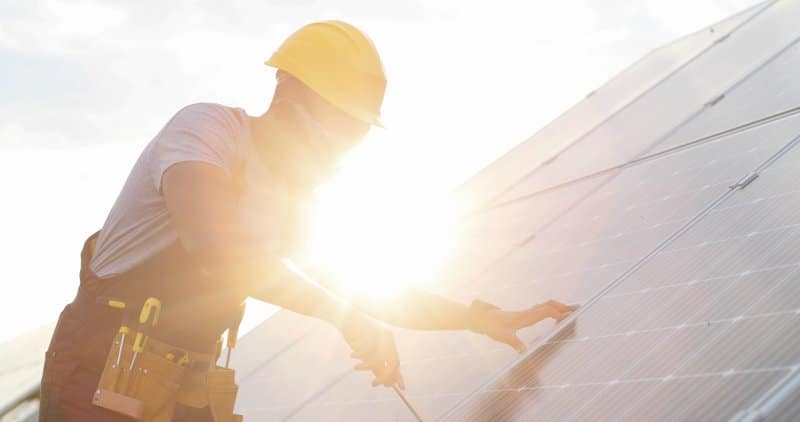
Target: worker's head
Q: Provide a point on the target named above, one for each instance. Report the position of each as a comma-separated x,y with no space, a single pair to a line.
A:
329,93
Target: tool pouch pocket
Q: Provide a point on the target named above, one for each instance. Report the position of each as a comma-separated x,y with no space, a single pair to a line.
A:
148,392
111,392
155,382
222,389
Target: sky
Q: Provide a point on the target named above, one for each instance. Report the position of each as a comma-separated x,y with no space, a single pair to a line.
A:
84,85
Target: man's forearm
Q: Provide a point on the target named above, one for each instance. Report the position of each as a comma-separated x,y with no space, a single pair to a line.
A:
268,279
414,308
418,309
295,294
265,277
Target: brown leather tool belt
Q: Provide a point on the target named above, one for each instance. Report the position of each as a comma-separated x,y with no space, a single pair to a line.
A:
178,361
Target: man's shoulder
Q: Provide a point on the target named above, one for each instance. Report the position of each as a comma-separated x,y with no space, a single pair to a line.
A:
211,112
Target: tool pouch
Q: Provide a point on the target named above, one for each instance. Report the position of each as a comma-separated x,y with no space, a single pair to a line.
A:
215,389
147,393
222,389
155,382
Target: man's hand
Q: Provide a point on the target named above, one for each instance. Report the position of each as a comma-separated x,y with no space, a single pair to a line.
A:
374,346
502,325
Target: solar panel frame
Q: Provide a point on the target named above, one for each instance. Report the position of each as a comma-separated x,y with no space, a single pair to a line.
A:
781,403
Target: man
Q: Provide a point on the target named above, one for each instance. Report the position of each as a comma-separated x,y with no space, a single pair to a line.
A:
211,207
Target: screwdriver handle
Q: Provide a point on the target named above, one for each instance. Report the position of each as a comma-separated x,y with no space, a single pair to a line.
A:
151,308
233,331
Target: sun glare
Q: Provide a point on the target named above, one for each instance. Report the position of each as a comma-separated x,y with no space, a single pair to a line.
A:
379,229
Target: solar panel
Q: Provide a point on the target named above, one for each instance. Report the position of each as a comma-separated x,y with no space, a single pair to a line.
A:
700,330
636,219
719,163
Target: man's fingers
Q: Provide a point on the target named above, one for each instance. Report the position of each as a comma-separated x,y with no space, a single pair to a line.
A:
356,343
554,305
560,306
360,355
388,373
536,314
393,361
401,384
376,366
569,310
562,316
550,309
515,342
390,376
556,310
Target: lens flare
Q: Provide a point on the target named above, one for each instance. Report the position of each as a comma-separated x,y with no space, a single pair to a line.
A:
377,236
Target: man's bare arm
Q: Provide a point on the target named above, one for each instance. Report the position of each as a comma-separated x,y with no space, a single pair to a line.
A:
411,308
418,309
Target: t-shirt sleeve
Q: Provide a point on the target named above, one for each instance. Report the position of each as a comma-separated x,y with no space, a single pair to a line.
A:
199,132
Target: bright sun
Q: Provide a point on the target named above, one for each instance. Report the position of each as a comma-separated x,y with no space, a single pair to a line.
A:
378,229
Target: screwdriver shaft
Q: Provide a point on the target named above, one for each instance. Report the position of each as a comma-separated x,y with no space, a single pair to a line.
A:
407,403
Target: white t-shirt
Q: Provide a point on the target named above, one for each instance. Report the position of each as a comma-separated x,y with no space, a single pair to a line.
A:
138,226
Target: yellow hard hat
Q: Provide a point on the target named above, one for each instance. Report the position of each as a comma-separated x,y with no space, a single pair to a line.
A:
338,62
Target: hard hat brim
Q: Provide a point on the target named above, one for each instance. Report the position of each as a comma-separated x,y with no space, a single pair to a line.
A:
371,119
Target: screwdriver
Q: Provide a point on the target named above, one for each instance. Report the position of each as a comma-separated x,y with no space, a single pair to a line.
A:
151,308
407,403
123,328
233,333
